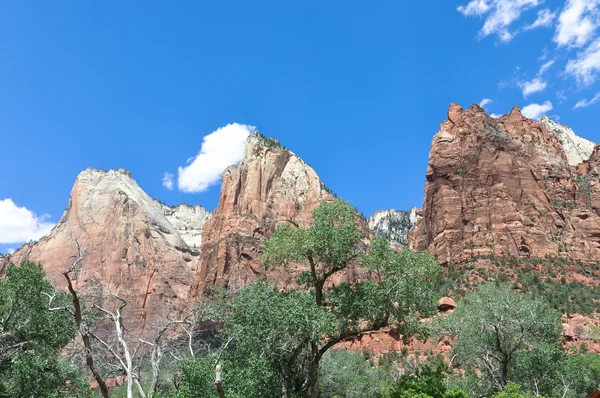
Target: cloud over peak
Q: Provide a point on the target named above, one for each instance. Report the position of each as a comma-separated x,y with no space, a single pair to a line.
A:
19,224
535,111
221,148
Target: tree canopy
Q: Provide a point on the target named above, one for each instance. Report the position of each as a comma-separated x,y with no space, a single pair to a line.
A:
33,330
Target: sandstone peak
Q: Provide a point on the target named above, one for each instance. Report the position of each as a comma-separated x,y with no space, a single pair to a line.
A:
507,187
134,245
270,185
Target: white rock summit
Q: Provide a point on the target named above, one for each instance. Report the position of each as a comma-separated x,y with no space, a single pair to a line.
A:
576,148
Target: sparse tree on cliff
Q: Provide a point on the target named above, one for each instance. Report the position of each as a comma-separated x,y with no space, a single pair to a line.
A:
292,330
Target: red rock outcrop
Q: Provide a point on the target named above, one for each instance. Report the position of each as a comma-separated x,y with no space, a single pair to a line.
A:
131,247
504,187
270,185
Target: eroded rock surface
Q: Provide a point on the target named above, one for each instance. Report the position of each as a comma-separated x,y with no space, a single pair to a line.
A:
506,187
131,246
393,225
188,221
271,185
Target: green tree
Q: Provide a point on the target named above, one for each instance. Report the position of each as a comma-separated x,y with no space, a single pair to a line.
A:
505,336
427,382
349,374
242,377
294,329
33,330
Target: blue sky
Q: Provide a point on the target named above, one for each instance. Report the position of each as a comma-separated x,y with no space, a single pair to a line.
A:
357,89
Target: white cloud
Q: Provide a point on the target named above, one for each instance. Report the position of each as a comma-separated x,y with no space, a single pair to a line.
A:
474,8
577,23
167,181
584,103
19,224
10,250
495,116
544,18
221,148
533,86
500,14
587,64
545,67
535,111
485,102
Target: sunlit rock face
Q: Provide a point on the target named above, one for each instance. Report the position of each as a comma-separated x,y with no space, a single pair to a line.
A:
393,225
134,246
270,186
576,149
508,186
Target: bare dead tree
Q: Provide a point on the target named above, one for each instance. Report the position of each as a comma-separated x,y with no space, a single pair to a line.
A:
82,327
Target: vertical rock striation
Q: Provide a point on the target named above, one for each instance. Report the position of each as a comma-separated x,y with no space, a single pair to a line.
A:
134,246
271,185
508,187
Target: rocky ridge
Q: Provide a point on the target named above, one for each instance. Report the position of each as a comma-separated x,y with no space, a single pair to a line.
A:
393,225
271,185
134,246
506,187
577,149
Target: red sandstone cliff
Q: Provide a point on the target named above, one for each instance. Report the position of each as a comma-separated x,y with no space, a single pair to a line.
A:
508,187
270,185
133,244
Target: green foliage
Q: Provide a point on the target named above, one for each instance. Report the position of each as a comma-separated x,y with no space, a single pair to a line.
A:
505,337
513,390
348,374
279,327
299,327
242,378
31,337
427,382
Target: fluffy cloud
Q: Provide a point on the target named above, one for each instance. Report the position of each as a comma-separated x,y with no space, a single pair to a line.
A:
19,224
499,15
168,181
577,23
587,64
544,18
220,149
535,111
533,86
10,250
485,102
584,103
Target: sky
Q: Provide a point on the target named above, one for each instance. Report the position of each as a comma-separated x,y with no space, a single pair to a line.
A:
170,90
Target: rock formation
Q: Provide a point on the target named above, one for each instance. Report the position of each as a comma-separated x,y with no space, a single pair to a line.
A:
271,185
393,225
188,221
508,187
134,245
576,149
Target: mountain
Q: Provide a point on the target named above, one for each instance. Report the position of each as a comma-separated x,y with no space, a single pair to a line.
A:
508,187
393,225
271,185
134,246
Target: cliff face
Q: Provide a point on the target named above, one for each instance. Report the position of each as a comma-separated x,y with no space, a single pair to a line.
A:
271,185
134,246
508,187
393,225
